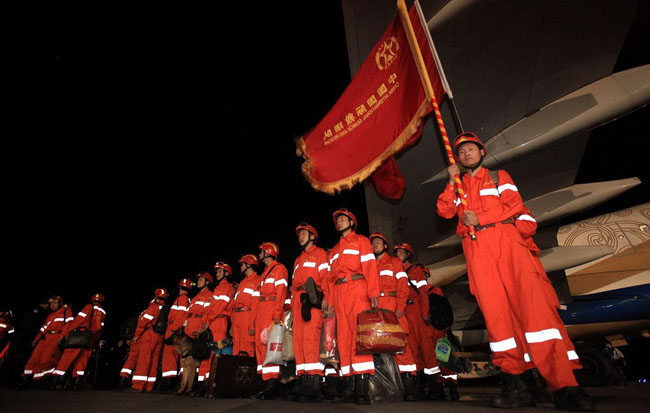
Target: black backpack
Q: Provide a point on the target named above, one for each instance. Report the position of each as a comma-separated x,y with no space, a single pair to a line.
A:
442,316
161,324
127,329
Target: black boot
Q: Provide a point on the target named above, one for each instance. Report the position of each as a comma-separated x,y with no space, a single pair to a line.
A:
199,388
363,388
514,393
408,380
294,392
165,384
25,382
348,395
573,398
536,386
77,383
270,390
125,383
453,390
435,391
311,389
331,391
420,385
57,383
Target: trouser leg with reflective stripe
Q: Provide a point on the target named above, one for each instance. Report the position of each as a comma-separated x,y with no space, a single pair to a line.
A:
81,362
204,367
306,339
48,356
412,314
141,371
351,299
241,340
155,359
264,319
428,347
170,361
554,302
131,360
67,359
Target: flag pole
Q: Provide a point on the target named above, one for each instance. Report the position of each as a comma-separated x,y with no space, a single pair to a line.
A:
426,82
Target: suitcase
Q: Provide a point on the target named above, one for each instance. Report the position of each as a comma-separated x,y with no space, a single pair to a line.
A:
233,376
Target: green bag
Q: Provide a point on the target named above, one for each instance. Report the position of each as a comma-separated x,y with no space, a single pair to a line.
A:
443,349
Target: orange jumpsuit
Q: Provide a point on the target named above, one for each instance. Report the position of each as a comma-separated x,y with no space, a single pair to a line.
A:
527,227
506,281
217,320
46,353
267,306
175,320
6,330
148,345
420,337
242,319
393,293
306,335
91,317
352,255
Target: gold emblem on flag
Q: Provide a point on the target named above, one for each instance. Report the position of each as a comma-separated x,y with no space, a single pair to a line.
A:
387,53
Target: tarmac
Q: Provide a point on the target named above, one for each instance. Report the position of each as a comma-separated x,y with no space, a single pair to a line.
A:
632,398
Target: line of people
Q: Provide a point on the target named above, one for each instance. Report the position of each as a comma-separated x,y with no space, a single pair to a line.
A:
356,275
64,344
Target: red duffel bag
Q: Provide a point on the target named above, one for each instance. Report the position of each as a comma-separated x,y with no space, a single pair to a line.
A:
379,331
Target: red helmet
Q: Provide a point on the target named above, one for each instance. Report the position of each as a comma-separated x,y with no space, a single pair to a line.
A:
161,293
97,297
404,246
249,259
378,235
306,226
343,211
186,282
225,267
270,248
206,275
467,137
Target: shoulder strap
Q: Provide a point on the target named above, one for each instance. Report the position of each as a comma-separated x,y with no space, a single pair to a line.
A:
494,176
410,282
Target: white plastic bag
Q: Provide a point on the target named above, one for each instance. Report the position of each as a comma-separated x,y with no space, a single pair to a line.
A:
274,345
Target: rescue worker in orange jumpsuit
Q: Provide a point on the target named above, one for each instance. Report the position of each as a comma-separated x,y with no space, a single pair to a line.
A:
195,324
309,286
268,308
506,282
394,292
146,345
417,314
46,343
219,310
6,333
91,318
175,319
353,270
447,376
243,337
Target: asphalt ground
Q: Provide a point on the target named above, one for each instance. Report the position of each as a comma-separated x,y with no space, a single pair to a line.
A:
629,399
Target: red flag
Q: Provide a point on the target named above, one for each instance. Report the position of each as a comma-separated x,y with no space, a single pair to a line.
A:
378,114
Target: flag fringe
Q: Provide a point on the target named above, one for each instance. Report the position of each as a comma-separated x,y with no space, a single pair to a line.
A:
333,188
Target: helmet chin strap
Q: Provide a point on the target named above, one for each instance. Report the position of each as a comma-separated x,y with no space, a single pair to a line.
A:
475,166
344,229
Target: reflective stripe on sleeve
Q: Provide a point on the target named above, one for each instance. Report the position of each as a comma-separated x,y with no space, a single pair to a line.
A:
386,272
82,314
572,355
400,274
526,217
147,316
367,257
323,266
507,187
279,282
351,252
309,264
334,258
221,298
101,310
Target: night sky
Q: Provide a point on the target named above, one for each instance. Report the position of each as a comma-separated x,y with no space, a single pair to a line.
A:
143,144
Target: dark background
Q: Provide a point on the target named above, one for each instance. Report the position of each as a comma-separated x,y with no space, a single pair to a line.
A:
143,144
